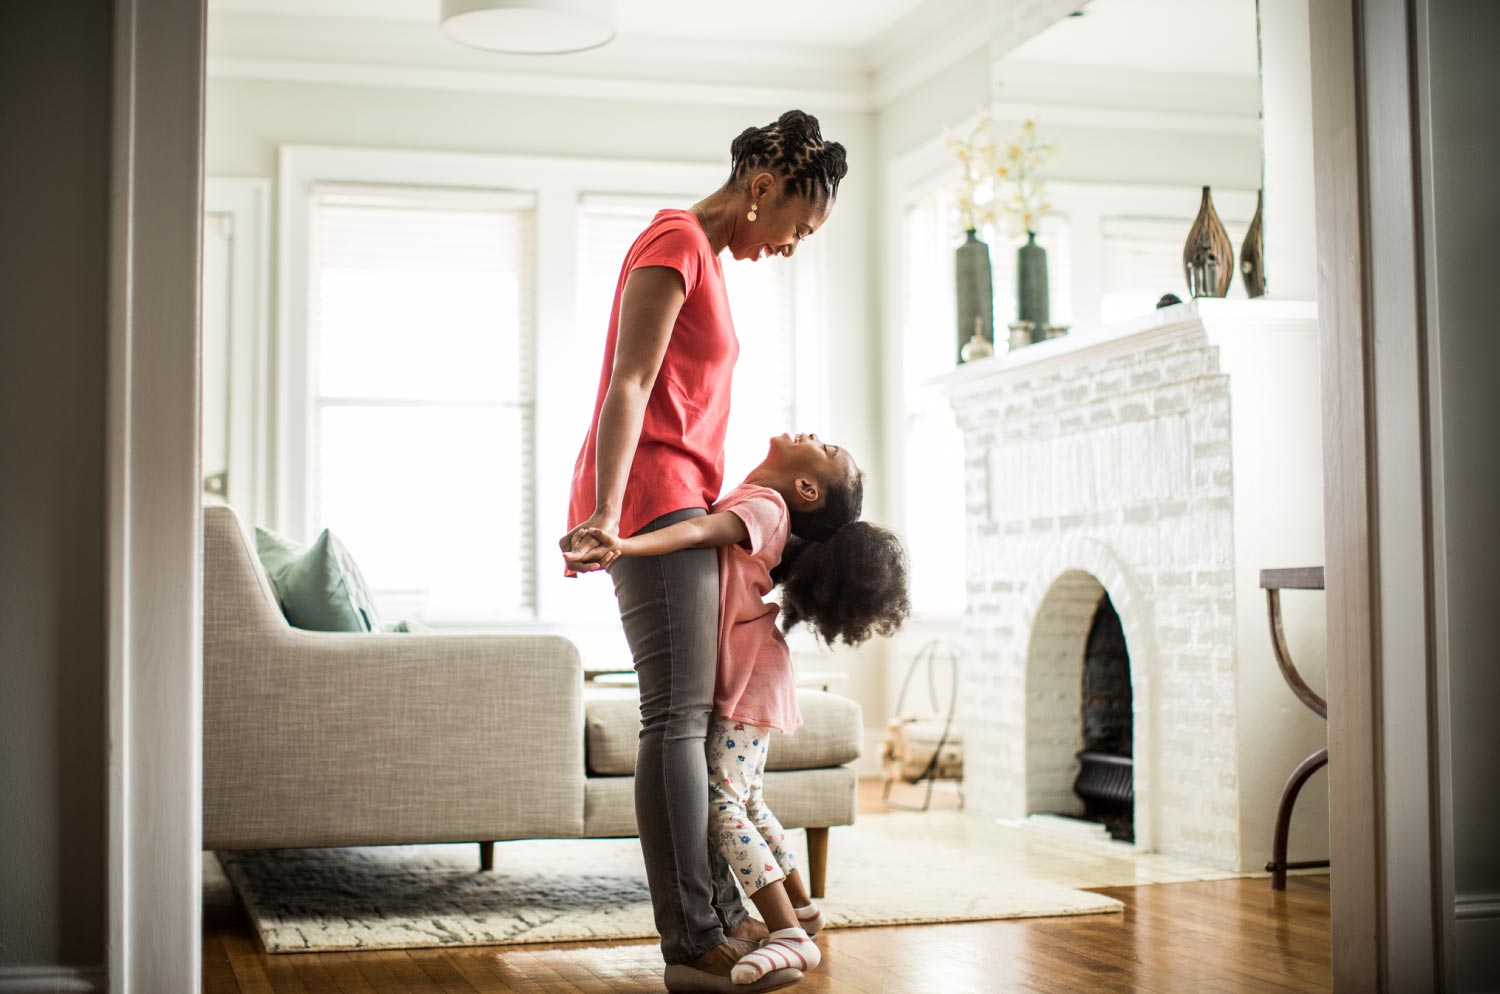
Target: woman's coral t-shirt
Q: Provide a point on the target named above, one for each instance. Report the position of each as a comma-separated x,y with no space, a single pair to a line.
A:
754,683
679,461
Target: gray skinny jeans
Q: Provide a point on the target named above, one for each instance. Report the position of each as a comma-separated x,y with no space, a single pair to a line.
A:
669,606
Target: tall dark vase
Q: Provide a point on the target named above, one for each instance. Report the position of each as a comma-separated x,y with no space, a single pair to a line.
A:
1253,255
976,291
1031,287
1208,257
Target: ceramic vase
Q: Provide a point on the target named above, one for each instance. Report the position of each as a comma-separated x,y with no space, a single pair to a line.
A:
1208,258
1031,287
976,291
1253,256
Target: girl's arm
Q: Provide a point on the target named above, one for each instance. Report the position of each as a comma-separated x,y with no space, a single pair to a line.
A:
708,532
648,311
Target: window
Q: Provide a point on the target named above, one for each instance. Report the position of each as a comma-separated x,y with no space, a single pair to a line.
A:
932,476
420,341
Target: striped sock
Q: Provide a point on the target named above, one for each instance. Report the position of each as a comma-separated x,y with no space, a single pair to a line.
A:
787,947
810,918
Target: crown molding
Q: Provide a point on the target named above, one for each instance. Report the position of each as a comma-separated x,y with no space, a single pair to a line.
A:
942,32
595,88
636,68
372,52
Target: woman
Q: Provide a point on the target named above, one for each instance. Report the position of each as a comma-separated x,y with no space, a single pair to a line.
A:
654,456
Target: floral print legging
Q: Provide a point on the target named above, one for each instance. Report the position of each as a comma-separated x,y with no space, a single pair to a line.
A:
740,825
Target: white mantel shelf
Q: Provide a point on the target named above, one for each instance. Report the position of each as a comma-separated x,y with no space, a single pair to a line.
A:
1132,336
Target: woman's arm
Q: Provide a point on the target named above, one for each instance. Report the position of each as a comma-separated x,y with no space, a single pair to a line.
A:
707,532
652,297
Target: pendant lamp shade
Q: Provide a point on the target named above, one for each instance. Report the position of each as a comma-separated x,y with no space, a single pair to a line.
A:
530,27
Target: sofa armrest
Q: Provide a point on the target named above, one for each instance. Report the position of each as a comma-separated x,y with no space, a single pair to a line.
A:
320,739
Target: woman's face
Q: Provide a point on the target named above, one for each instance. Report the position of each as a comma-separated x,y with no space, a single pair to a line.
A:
781,223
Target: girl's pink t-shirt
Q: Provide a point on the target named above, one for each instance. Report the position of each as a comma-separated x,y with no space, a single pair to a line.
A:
755,682
679,460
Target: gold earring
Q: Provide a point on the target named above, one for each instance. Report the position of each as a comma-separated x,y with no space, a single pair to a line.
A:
753,208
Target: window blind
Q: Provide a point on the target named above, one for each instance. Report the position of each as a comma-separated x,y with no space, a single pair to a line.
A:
1143,260
421,331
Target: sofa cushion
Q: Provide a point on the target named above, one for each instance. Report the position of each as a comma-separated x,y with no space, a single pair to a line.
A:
320,588
799,797
831,733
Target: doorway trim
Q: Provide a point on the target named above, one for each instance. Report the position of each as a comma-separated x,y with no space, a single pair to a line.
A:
154,594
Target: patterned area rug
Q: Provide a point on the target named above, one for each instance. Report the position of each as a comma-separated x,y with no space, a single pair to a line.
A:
394,897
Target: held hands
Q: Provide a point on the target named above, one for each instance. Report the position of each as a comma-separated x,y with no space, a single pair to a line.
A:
593,545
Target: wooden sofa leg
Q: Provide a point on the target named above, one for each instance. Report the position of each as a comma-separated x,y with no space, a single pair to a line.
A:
817,858
486,855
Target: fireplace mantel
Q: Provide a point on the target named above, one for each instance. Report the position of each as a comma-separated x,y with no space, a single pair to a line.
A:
1131,337
1165,462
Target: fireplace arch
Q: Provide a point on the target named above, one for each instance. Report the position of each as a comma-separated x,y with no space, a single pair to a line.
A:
1060,607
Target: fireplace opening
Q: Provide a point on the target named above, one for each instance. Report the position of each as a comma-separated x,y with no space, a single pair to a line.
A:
1106,774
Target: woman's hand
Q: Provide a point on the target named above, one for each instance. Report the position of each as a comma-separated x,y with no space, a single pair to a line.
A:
581,548
607,546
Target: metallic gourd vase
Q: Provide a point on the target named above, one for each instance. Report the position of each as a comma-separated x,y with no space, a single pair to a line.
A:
976,291
1208,257
1253,256
1031,287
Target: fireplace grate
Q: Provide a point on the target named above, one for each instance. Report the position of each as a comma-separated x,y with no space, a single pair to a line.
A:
1106,784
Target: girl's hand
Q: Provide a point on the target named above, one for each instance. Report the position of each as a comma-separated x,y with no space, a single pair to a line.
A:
580,549
594,548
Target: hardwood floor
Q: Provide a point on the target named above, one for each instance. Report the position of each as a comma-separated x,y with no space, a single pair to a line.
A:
1219,937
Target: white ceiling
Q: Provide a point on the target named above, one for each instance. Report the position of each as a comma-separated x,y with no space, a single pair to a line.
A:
1184,36
840,23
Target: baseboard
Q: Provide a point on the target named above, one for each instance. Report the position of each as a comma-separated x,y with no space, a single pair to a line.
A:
1477,930
53,980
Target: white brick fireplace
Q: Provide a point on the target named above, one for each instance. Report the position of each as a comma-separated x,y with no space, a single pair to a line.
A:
1164,463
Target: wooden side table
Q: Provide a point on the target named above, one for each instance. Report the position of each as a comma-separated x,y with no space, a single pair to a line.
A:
1274,581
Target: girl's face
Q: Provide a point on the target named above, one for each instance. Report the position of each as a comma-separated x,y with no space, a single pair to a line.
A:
781,223
804,462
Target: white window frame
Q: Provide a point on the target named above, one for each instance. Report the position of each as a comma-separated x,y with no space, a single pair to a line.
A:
928,168
244,207
557,185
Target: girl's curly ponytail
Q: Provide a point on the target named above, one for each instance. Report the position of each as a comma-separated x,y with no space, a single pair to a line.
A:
848,587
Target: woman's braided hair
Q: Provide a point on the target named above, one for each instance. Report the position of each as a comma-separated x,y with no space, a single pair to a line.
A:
792,147
844,577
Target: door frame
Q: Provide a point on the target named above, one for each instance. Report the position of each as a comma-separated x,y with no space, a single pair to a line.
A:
1392,910
154,593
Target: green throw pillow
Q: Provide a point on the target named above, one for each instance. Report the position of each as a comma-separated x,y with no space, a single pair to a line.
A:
320,588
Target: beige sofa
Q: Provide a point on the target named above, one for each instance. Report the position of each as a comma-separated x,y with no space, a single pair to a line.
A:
320,739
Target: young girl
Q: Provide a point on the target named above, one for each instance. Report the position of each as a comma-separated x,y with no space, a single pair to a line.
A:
793,522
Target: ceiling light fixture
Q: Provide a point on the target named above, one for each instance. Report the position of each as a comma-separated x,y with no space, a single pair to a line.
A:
530,27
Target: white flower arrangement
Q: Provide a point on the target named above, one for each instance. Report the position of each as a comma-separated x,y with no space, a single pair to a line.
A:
1001,189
